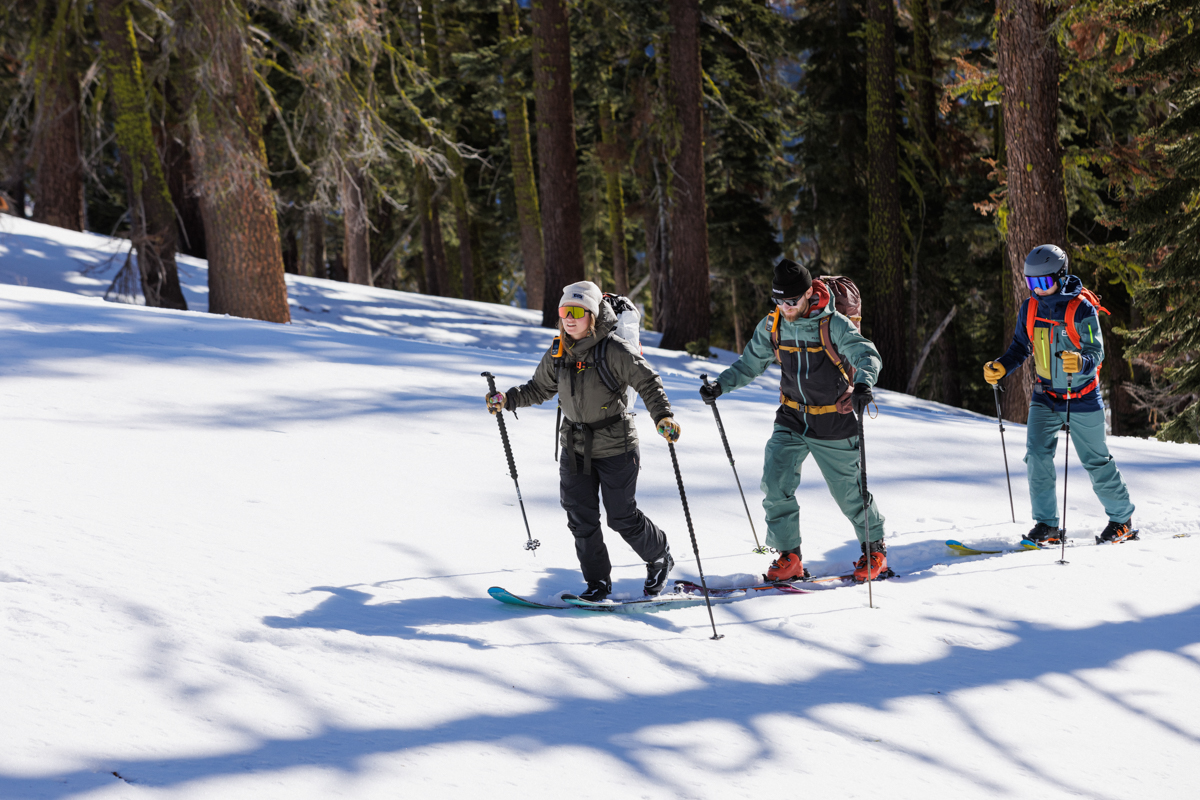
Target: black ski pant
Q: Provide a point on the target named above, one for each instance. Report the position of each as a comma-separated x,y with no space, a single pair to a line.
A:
616,478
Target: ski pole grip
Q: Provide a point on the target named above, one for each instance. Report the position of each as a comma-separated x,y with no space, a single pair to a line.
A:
491,379
704,377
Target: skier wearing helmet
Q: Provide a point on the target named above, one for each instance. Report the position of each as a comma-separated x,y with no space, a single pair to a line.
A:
1067,347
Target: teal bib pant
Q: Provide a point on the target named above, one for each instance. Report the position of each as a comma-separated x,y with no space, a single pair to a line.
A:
838,461
1087,434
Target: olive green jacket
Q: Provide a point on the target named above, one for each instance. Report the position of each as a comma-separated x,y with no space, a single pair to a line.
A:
583,396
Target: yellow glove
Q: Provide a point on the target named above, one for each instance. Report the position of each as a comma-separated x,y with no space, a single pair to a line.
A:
993,371
495,402
1072,362
668,428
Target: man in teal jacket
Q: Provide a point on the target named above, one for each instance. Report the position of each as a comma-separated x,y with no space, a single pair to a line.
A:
818,400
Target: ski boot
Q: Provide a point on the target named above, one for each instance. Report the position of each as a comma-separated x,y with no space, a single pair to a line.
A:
1044,535
656,574
879,568
787,566
1117,532
596,591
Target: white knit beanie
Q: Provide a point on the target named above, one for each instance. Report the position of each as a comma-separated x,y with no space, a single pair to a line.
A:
585,294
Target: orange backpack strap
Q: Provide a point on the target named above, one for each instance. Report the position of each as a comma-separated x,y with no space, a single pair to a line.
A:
774,317
1030,319
827,343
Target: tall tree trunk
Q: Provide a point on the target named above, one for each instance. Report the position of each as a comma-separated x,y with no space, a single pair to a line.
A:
922,63
462,224
1037,208
610,156
357,244
58,176
153,217
245,263
562,233
516,114
885,254
688,290
437,279
313,250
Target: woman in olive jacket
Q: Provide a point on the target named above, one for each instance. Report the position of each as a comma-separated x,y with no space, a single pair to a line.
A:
600,455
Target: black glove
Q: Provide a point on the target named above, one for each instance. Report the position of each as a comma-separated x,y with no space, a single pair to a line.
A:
709,392
862,397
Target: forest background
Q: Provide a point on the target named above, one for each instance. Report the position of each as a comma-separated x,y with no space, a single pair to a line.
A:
497,150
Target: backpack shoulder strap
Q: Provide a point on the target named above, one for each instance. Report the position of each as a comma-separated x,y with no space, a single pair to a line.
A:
1072,310
1030,318
827,343
606,374
774,318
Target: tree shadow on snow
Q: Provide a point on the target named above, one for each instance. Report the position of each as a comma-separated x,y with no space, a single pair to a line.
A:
616,727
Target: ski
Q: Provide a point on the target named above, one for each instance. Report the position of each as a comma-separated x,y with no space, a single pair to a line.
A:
966,550
505,596
638,605
786,587
783,587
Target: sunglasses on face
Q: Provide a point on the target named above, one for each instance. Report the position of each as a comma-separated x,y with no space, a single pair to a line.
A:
1042,282
790,302
571,311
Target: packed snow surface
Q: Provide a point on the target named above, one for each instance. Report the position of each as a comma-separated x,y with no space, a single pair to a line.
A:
252,560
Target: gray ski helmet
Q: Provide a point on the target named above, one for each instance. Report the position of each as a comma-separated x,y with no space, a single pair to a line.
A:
1046,259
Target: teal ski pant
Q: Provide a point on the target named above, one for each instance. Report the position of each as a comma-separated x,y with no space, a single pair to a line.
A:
1087,434
839,464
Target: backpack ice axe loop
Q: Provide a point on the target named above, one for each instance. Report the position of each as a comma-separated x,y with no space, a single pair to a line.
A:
530,543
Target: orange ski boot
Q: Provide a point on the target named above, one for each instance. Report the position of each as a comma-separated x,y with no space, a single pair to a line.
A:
879,565
787,566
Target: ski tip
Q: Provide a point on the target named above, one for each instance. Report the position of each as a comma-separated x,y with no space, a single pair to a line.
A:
954,543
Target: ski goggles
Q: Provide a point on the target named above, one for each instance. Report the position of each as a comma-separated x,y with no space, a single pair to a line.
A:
1042,282
790,302
571,311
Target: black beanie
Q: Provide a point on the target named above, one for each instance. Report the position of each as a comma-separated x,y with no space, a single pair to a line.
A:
791,280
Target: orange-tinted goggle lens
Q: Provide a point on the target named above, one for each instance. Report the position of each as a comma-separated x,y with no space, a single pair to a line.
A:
571,311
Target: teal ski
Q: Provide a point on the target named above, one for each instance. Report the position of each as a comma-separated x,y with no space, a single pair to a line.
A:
505,596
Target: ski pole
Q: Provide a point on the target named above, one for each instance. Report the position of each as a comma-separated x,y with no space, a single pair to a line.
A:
1007,477
1062,533
695,547
862,471
758,548
531,543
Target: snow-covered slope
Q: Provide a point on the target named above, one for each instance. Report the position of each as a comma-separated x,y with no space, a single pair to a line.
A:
251,560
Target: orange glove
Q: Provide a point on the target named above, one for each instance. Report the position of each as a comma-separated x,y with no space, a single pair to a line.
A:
1072,362
495,402
993,371
668,428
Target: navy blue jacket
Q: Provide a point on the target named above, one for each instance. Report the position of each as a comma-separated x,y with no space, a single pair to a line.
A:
1051,339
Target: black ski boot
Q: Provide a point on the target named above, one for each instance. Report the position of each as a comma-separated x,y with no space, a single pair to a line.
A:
1117,532
656,574
1044,534
596,591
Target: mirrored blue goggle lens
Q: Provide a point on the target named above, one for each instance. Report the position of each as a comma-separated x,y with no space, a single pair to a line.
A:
1042,282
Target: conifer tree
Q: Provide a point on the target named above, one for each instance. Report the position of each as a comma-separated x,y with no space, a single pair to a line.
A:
1167,221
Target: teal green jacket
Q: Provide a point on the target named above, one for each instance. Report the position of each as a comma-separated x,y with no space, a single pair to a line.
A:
808,376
